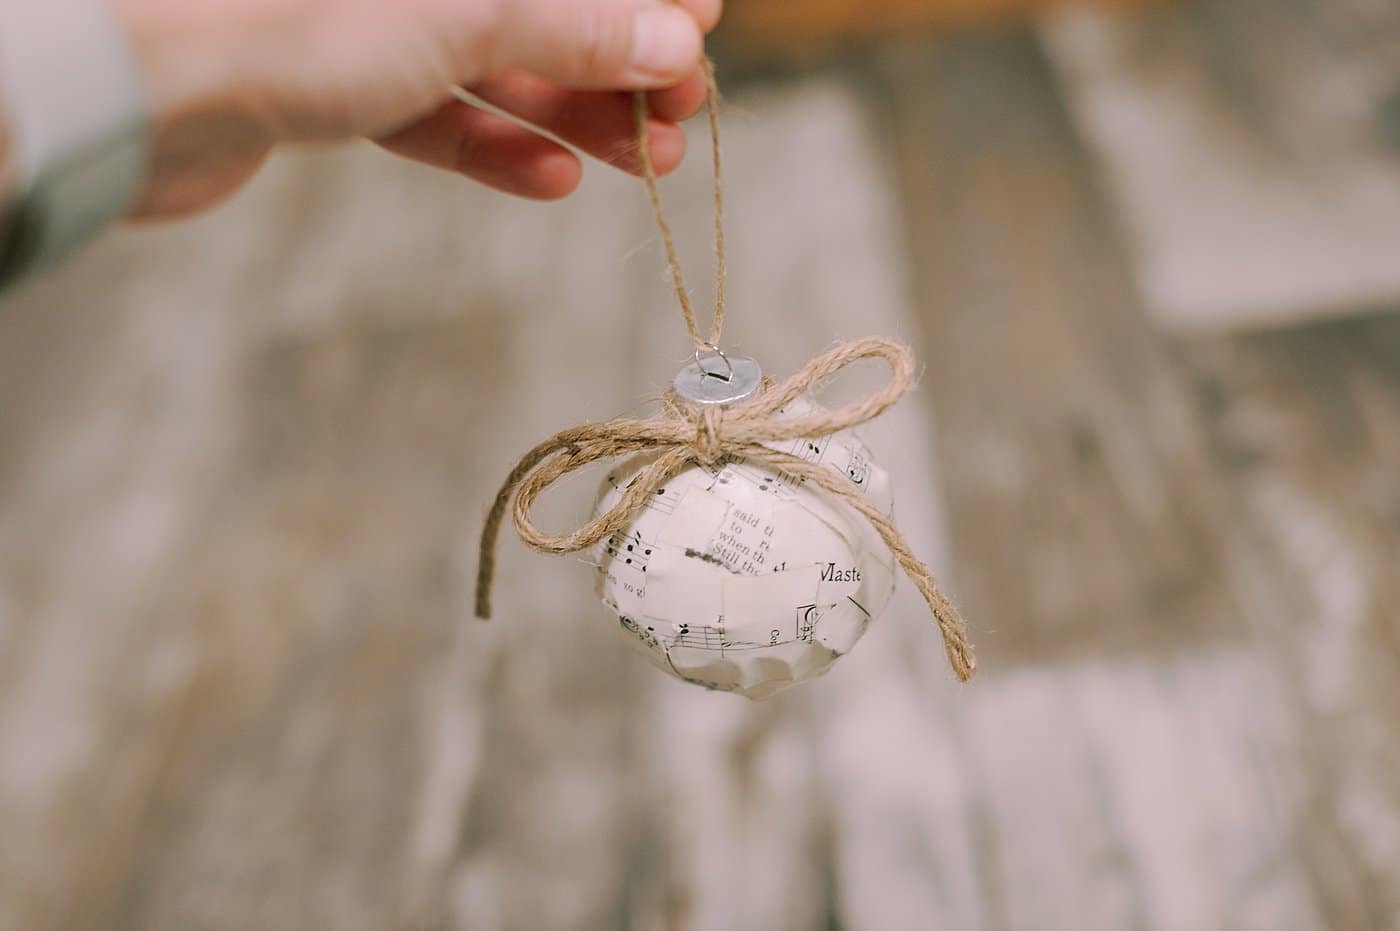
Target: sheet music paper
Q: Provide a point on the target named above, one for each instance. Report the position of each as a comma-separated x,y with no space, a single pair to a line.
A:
739,579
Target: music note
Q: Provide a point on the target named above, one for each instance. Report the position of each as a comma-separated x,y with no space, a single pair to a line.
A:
858,469
631,551
779,484
706,637
646,635
813,450
700,637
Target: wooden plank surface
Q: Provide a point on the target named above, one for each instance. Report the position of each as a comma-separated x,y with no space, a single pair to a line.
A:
245,462
1251,148
1305,423
1182,553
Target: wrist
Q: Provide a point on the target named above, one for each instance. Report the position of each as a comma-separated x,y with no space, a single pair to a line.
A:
203,131
76,117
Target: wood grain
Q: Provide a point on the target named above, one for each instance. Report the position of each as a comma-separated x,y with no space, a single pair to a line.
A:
1165,542
245,461
1091,533
1251,149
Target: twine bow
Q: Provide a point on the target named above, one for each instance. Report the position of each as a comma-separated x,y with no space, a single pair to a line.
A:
686,433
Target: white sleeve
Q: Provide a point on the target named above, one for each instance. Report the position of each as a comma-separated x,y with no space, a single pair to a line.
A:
78,126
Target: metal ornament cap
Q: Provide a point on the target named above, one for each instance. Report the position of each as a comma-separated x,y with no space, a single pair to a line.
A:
717,378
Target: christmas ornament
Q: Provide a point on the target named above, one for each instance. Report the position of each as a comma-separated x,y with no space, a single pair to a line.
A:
746,540
740,577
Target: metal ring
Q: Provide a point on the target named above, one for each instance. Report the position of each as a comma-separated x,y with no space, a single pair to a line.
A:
712,348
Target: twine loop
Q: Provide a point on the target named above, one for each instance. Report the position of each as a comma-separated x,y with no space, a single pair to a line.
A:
685,434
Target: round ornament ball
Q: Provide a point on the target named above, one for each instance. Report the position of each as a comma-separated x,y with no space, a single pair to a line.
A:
742,579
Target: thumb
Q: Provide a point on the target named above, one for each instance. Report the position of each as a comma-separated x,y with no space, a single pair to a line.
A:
599,43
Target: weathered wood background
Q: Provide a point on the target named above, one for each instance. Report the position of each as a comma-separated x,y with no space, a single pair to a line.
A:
243,463
1252,148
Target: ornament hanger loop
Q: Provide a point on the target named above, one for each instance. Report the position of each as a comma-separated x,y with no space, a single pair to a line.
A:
710,350
704,383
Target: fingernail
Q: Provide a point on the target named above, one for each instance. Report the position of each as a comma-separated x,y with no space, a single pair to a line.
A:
665,44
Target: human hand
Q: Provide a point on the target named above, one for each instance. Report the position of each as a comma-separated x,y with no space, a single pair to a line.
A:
232,79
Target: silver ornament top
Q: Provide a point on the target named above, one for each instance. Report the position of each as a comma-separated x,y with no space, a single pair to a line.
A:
717,378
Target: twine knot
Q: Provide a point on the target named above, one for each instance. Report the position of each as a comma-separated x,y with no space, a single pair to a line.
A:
707,444
684,435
